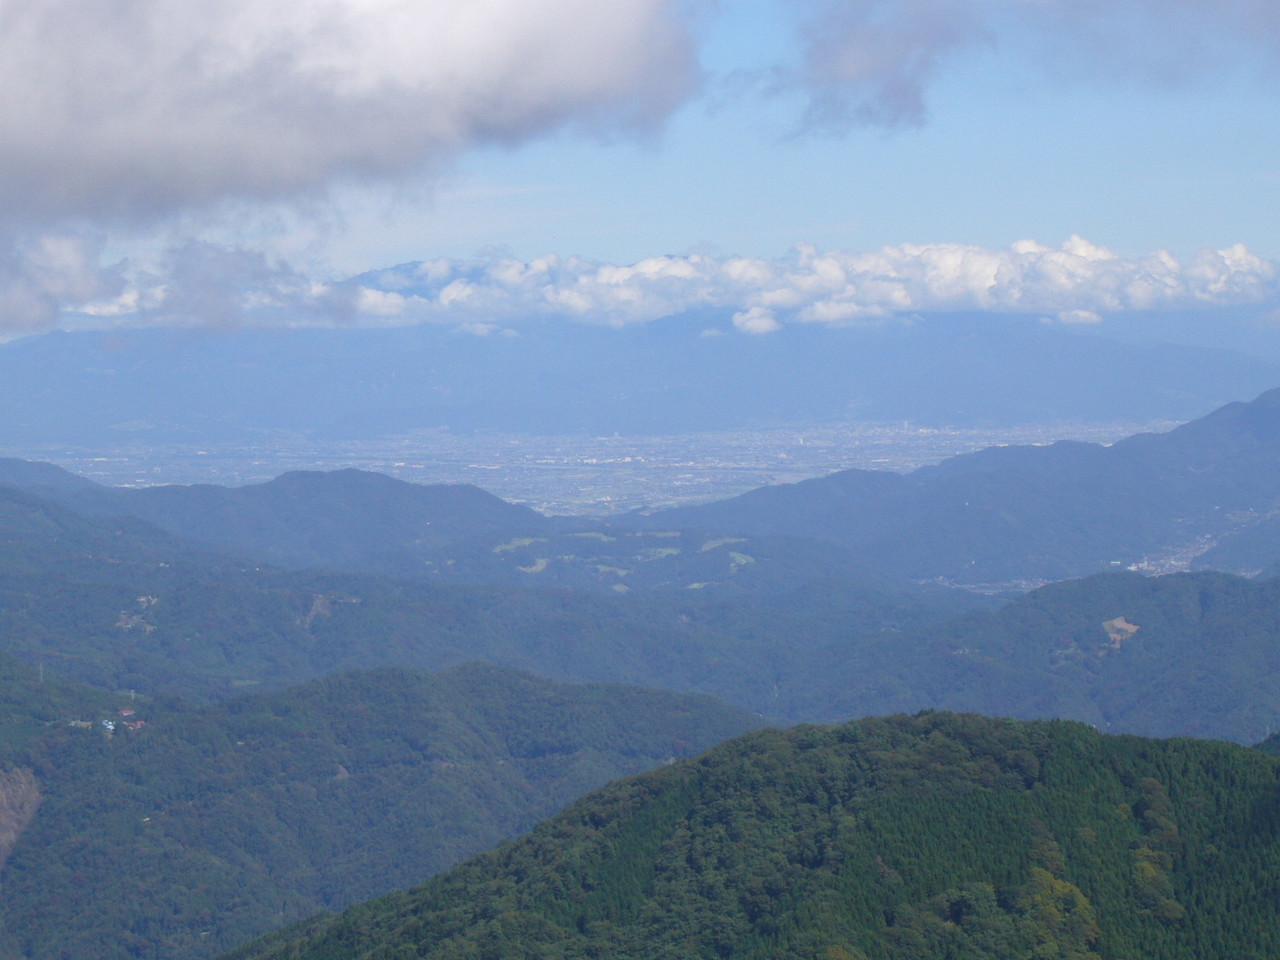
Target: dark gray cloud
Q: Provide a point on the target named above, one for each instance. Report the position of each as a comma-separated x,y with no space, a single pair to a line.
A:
873,61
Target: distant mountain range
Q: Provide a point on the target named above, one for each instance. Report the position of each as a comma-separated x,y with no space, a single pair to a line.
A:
783,627
1037,513
118,603
1202,495
908,838
232,387
345,519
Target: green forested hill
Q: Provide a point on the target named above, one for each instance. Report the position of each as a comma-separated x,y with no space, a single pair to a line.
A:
31,699
118,604
38,535
908,838
124,607
1186,655
205,826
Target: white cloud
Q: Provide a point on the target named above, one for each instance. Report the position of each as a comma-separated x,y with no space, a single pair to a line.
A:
1077,283
132,109
1079,317
756,320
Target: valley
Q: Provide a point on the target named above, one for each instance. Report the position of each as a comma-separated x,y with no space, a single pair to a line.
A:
257,697
566,474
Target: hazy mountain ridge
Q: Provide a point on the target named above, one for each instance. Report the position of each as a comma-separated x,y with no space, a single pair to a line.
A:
1005,515
92,600
360,521
840,842
1179,655
1033,513
814,649
212,387
344,518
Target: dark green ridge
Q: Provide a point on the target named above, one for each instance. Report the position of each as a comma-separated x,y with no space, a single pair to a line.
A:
116,604
906,838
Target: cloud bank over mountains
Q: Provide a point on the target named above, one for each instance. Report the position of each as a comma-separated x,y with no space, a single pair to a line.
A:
1076,283
127,115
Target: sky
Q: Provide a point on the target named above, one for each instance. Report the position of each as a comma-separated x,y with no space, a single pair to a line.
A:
778,161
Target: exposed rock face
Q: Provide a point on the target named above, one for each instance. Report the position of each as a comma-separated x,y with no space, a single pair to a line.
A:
19,800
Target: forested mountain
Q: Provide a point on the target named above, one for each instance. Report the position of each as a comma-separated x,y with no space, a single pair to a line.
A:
1033,513
1254,551
908,838
356,521
209,637
341,519
182,831
120,605
1180,655
602,558
116,603
37,534
32,698
211,822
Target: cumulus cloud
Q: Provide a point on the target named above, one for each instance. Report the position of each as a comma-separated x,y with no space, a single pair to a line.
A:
138,112
872,61
137,109
1075,283
1078,282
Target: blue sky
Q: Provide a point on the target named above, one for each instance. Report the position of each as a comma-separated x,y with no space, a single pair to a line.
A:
1007,152
312,142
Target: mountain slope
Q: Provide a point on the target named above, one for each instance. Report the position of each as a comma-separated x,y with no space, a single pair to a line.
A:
345,518
101,601
202,827
1033,513
910,838
1181,655
366,522
116,603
